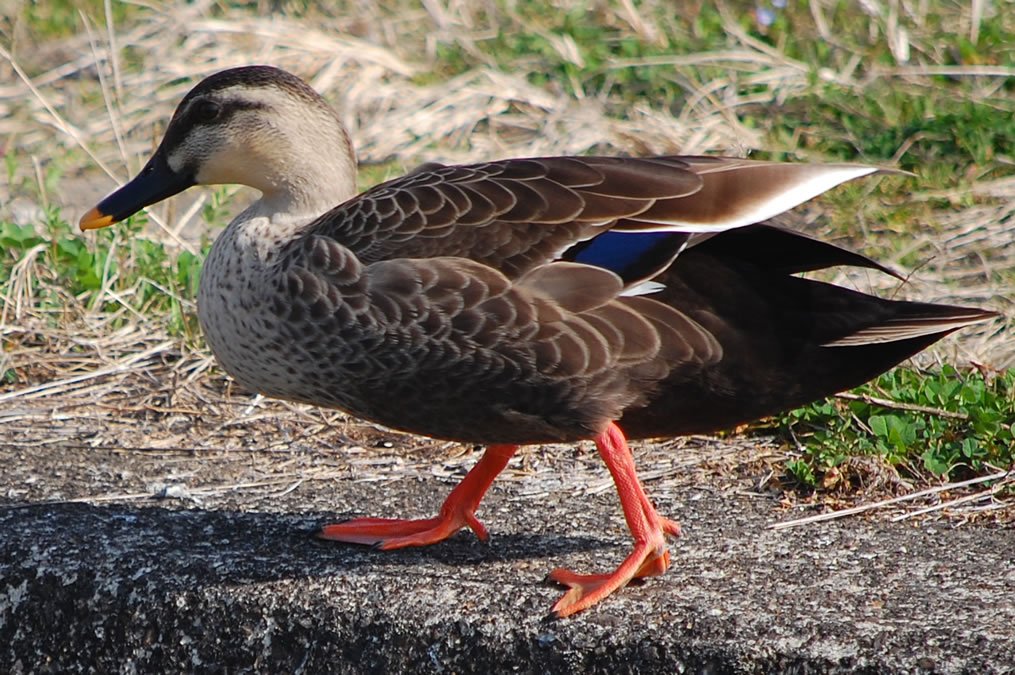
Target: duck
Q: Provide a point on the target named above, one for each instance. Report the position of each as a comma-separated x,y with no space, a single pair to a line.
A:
518,301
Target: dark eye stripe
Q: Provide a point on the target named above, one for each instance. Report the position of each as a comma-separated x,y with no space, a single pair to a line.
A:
227,109
187,117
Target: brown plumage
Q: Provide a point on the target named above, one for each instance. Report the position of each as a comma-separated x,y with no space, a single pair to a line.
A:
517,301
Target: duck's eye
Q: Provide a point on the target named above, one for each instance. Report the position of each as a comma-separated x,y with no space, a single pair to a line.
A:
206,111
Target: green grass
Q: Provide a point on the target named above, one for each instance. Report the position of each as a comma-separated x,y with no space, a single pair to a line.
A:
950,425
952,121
34,22
72,274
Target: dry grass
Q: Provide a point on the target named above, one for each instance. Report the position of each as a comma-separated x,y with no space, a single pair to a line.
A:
101,97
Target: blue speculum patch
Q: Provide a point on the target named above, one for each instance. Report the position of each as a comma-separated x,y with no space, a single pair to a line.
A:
632,255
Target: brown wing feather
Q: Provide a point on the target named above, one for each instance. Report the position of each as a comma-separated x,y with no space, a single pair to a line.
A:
518,214
513,215
553,355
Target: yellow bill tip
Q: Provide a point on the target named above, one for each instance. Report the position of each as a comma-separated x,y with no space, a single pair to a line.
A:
95,219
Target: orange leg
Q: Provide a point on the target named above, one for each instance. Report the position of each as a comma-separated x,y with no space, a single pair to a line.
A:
649,557
457,512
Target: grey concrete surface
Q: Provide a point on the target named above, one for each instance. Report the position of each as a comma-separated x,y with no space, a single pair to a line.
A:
224,584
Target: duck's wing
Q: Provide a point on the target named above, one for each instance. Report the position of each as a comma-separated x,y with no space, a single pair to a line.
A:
553,354
782,250
515,215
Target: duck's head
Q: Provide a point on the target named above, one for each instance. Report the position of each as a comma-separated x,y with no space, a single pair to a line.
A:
258,126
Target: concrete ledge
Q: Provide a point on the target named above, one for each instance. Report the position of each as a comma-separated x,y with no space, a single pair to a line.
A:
230,586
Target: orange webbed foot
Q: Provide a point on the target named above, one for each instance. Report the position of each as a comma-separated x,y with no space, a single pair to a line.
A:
649,557
585,590
457,512
392,533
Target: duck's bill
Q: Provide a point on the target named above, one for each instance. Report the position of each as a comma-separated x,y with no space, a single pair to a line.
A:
155,183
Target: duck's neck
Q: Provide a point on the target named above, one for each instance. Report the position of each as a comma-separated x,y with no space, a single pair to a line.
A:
287,205
302,169
307,184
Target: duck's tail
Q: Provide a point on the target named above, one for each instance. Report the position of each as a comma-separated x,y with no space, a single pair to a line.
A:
786,340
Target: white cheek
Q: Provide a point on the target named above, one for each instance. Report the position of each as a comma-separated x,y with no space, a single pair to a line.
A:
177,160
